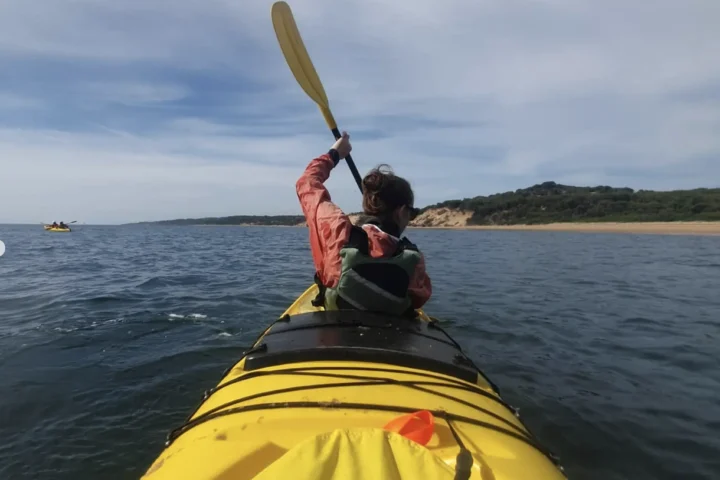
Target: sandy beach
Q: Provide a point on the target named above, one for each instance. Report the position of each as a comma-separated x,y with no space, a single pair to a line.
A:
661,228
657,228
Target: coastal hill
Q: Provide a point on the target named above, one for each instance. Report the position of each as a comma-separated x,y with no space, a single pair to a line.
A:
544,203
268,220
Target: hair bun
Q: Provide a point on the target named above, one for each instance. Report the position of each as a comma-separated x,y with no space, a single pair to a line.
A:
373,182
376,179
383,192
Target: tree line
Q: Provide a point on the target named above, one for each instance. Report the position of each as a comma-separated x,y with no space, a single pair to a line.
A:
273,220
547,202
550,202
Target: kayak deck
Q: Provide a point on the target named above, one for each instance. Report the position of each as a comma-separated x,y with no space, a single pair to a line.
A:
313,372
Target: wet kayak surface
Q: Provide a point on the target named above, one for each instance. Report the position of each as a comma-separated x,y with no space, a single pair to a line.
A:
606,342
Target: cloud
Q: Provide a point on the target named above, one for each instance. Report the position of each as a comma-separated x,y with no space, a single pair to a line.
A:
132,93
138,178
159,109
9,101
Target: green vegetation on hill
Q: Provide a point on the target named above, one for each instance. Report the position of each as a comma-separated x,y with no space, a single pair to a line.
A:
278,220
550,203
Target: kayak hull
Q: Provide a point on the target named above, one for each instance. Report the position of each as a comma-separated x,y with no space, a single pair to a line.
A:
315,378
56,229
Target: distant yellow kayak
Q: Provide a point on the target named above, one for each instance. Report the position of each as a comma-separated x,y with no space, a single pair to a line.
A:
50,228
353,395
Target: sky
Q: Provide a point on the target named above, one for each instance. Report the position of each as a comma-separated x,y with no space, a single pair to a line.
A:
136,110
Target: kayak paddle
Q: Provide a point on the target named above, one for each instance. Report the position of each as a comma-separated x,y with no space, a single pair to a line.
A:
302,68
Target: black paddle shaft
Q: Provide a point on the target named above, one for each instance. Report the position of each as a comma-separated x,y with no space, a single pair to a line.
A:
350,162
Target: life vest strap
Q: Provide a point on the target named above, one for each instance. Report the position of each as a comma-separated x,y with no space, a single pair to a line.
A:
319,299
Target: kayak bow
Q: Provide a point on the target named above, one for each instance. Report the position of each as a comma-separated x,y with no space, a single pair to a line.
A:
353,395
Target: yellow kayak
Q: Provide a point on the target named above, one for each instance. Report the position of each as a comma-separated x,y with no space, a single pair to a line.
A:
50,228
353,395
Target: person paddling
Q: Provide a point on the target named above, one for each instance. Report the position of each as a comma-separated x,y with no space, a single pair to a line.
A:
366,266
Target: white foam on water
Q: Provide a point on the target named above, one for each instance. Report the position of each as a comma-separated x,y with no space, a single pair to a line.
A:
65,330
224,334
194,316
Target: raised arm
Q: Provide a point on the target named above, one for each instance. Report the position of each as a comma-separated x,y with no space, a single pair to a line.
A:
328,226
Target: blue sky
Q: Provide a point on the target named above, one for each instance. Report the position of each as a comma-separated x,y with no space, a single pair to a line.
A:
120,111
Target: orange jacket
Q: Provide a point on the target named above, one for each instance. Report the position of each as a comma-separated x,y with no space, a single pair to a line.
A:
330,230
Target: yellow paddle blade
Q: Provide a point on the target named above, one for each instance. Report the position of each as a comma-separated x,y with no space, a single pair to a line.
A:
297,58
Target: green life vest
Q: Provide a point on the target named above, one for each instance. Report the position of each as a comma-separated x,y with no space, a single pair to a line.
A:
372,284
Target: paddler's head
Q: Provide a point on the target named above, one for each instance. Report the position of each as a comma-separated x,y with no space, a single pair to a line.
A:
389,198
